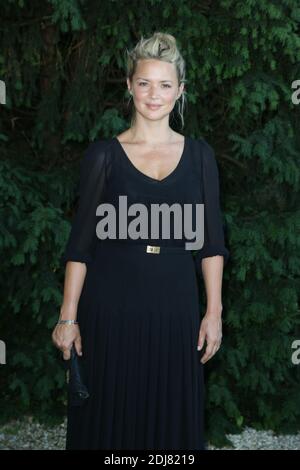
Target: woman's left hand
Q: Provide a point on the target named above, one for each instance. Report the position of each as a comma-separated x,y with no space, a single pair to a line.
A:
211,331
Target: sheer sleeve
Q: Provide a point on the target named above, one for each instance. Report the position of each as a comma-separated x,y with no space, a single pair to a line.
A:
213,224
82,239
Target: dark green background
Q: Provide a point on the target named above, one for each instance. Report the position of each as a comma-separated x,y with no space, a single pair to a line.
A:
63,62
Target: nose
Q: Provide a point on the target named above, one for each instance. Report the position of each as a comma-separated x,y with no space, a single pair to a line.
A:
153,93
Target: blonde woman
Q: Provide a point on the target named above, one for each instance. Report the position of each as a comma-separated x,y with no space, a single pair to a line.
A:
135,299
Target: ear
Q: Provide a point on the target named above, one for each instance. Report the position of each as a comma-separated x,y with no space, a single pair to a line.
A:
128,84
180,90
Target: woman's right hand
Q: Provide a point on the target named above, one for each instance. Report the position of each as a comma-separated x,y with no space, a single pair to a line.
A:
64,336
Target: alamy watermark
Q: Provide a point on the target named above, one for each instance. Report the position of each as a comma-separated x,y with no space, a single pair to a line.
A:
2,92
138,227
2,352
296,354
296,94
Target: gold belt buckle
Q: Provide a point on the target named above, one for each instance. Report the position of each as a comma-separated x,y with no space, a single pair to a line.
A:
153,249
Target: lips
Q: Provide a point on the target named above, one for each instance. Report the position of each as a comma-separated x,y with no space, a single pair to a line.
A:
153,106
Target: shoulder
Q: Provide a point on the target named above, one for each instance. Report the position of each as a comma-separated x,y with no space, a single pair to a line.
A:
96,152
98,147
203,146
202,152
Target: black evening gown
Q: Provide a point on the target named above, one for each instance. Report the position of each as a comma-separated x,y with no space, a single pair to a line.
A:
139,312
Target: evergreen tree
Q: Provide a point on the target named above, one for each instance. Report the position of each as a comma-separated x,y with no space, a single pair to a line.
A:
63,64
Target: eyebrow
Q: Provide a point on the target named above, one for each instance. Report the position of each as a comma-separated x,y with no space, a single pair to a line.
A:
161,81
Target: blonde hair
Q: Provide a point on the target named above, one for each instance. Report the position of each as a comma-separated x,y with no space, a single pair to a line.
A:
160,46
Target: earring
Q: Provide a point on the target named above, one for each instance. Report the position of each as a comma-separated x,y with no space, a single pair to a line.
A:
129,99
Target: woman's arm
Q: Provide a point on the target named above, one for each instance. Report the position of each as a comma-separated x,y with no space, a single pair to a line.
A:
64,335
74,279
211,325
212,269
212,256
80,249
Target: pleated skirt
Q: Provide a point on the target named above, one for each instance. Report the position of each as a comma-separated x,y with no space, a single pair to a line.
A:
139,318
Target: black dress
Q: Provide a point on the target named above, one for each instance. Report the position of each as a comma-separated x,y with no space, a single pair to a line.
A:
139,311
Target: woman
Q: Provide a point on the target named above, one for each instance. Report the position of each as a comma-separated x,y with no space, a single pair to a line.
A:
136,298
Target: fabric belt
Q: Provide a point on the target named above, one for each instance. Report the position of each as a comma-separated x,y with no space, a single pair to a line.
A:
148,249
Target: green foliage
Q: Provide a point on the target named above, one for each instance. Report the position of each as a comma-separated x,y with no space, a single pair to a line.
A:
63,63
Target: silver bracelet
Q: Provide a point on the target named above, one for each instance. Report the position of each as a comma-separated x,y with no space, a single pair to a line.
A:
69,322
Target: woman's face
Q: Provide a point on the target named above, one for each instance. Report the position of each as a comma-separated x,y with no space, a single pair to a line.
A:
154,88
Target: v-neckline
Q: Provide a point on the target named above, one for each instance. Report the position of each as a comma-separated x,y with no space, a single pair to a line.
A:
150,178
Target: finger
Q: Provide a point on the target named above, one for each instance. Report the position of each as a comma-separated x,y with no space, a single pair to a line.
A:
66,353
210,354
207,354
215,350
200,343
210,350
78,346
201,340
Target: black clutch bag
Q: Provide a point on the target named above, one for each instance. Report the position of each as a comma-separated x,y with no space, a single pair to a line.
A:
76,378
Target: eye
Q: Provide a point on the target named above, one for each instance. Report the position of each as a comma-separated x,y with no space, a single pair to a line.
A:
167,85
142,83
